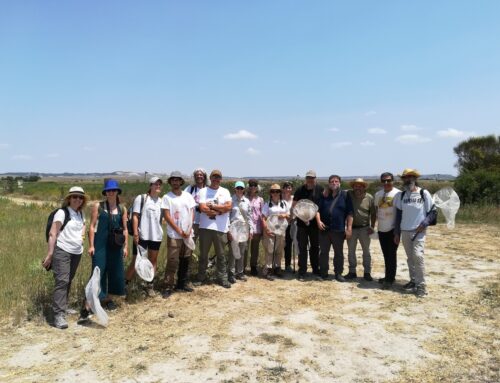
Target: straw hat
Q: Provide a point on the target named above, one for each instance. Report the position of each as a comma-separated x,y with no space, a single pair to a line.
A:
359,181
410,172
275,187
76,190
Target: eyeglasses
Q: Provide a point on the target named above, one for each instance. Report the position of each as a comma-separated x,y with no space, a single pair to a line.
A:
386,181
240,188
76,197
275,191
252,185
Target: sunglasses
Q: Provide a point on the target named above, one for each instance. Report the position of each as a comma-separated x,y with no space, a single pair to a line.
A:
386,181
252,185
112,190
77,197
275,191
240,188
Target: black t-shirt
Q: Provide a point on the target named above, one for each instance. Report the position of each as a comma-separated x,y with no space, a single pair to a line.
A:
313,195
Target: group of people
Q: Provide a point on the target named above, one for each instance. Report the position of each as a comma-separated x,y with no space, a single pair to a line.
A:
206,213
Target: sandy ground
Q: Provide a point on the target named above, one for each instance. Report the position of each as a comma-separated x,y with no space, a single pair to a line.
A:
258,331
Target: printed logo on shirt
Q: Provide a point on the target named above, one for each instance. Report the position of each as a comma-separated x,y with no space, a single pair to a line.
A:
413,200
386,202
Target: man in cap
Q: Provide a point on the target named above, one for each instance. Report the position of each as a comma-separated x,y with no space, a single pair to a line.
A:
386,220
307,232
215,205
415,211
362,227
200,181
178,209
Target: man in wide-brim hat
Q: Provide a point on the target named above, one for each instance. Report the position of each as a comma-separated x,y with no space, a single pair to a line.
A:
362,227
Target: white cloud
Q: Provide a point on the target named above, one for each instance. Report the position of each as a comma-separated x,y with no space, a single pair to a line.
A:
22,157
240,135
88,149
377,131
4,146
367,143
410,128
343,144
454,133
412,139
252,151
52,155
370,113
333,129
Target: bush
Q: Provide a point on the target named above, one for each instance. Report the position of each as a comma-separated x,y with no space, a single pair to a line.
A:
479,186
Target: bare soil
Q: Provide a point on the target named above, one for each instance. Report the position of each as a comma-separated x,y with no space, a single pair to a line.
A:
281,331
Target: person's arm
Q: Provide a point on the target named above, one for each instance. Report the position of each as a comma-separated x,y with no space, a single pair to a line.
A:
223,208
135,227
373,216
125,231
93,221
348,228
320,223
54,231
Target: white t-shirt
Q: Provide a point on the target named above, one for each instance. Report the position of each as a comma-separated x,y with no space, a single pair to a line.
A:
414,208
150,226
196,195
180,208
275,209
219,196
386,210
238,207
71,238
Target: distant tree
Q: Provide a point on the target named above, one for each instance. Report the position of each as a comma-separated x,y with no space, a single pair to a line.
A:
478,153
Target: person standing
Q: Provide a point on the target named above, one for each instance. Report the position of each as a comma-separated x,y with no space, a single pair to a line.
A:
287,196
215,205
178,210
240,212
307,232
415,212
386,220
334,219
65,248
256,205
362,227
147,230
200,181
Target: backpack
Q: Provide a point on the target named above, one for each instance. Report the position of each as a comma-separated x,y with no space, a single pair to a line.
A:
130,213
433,220
50,220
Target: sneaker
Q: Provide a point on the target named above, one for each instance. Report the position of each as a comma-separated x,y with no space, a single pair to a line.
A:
421,291
381,280
350,275
84,316
409,286
339,278
150,292
386,285
110,306
367,277
241,277
167,293
288,269
301,278
197,283
324,277
253,271
225,284
231,279
60,322
269,277
278,272
185,288
71,312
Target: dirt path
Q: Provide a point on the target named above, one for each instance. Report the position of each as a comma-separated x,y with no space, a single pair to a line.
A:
262,331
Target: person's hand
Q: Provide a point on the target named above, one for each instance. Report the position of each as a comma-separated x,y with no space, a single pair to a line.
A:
370,230
250,237
47,262
269,233
321,226
136,239
348,233
229,237
91,251
396,239
420,229
125,252
325,193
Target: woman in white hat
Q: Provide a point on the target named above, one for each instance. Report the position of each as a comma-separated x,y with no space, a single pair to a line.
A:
65,248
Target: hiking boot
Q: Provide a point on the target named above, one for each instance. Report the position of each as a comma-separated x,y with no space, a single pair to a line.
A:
110,306
381,280
386,285
278,272
241,277
167,293
409,286
60,322
253,271
231,279
71,312
350,276
339,278
367,277
269,277
225,284
301,278
288,269
185,288
84,316
324,277
197,283
421,291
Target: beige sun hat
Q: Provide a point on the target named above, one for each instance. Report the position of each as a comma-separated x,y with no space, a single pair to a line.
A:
76,190
359,181
275,187
410,172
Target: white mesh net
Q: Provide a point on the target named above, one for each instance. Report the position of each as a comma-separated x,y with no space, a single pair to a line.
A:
92,291
143,265
448,202
277,225
305,210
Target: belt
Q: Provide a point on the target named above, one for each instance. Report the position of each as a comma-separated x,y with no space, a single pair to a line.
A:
359,227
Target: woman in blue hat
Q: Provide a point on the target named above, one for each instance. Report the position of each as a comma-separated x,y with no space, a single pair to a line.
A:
108,244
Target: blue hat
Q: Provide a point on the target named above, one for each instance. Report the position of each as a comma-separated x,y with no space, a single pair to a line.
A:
111,185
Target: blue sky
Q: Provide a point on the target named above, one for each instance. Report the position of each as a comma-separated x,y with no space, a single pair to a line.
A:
253,88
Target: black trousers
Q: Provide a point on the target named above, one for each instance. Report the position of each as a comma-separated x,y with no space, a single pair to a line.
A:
308,235
328,239
288,247
389,249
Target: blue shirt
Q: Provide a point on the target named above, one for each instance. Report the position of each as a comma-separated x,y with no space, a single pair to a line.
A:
335,221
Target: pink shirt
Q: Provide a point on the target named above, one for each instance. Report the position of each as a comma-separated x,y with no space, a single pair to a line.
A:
256,204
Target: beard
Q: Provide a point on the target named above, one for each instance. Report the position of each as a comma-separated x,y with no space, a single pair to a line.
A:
409,185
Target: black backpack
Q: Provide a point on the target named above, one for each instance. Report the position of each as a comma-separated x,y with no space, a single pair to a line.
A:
50,220
433,220
129,215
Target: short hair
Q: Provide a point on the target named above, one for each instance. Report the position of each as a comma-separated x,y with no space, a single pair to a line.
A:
334,176
286,184
387,174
